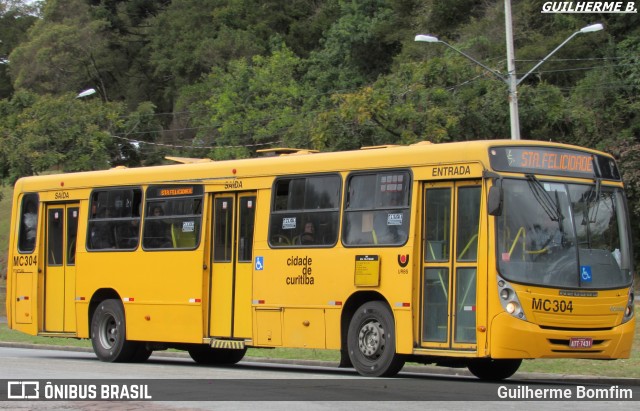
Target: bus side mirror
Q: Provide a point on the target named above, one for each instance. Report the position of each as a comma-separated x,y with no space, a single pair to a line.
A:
494,203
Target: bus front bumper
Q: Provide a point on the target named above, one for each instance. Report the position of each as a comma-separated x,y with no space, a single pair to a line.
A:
514,338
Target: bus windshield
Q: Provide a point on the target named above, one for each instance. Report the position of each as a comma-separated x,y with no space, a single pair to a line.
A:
563,235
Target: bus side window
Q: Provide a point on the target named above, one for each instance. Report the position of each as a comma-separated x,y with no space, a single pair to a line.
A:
173,218
114,219
305,211
377,209
28,223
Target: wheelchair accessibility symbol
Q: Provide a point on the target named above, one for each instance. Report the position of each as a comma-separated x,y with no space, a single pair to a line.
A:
585,273
259,263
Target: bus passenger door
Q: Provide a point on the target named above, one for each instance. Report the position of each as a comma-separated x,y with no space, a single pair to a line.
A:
60,271
231,265
449,265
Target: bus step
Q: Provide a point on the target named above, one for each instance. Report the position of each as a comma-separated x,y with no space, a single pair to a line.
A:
57,334
228,344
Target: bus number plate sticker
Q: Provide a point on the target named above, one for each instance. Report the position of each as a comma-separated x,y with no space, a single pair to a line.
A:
580,342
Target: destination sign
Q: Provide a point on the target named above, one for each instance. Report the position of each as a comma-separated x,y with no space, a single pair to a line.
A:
552,161
174,191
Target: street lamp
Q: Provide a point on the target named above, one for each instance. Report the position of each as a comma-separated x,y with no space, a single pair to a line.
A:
86,93
511,79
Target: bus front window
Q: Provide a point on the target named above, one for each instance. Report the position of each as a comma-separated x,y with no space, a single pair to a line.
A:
563,235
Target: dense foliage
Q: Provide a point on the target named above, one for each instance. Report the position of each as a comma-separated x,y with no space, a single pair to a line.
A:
222,78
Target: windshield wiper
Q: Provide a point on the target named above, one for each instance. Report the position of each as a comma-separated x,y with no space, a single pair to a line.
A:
548,204
594,199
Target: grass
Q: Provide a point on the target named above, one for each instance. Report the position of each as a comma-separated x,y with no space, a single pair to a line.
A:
5,220
619,368
7,335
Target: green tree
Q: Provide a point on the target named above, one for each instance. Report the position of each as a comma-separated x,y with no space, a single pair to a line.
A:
355,49
252,103
41,133
63,51
16,18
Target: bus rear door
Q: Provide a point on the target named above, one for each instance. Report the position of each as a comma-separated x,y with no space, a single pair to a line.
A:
60,270
231,265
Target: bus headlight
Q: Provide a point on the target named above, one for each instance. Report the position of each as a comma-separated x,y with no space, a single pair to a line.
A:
512,307
628,311
509,300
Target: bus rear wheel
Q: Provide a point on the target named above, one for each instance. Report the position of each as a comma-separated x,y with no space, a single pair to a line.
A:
493,370
142,353
108,333
203,354
371,341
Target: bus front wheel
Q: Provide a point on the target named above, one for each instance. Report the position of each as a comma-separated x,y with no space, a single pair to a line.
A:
108,333
493,370
371,341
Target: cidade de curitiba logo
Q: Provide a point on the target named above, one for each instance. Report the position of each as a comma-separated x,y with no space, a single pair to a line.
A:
589,7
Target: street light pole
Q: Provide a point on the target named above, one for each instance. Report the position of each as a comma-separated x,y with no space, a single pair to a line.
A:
511,79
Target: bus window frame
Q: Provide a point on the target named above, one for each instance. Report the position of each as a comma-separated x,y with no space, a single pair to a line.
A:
22,230
407,207
150,200
304,212
91,218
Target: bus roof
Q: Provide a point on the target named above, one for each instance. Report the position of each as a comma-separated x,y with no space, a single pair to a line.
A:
386,157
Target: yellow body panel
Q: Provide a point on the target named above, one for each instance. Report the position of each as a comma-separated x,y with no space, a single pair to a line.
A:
304,328
221,300
54,299
242,301
24,298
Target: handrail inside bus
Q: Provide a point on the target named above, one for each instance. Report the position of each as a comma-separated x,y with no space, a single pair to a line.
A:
464,297
433,255
279,238
523,232
444,290
464,251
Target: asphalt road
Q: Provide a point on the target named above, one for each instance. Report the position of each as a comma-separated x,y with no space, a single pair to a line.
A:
176,382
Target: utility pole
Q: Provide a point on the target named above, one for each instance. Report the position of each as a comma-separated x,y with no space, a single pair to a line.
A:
512,81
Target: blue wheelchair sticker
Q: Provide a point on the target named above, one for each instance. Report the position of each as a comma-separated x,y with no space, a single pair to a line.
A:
585,273
259,263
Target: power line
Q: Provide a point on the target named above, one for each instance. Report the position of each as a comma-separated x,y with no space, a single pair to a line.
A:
132,141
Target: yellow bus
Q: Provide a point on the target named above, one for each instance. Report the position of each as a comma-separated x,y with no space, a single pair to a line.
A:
477,254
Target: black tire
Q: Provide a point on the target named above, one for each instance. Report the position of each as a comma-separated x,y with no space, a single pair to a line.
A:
203,354
489,369
371,341
108,333
142,353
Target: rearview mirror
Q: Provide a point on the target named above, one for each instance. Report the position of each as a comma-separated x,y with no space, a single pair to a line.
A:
494,202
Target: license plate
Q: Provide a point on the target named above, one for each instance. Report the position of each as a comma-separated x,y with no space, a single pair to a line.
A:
580,342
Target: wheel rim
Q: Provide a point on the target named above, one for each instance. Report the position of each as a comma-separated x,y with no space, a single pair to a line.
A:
371,340
108,331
